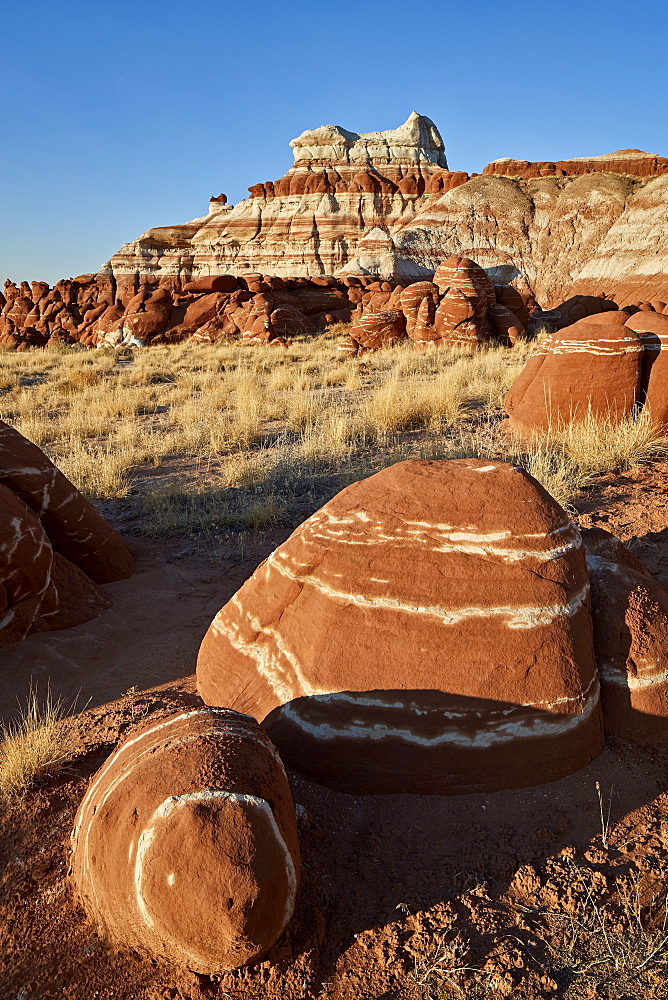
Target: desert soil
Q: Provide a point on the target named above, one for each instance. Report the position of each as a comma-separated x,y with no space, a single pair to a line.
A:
553,891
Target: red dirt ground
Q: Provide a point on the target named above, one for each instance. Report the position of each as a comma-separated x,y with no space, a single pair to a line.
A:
515,893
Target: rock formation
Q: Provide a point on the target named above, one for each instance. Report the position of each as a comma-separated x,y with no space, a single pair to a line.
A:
185,844
632,162
607,365
630,613
254,307
385,203
428,630
55,547
459,308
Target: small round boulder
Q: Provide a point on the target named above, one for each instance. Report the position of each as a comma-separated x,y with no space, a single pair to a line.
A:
185,844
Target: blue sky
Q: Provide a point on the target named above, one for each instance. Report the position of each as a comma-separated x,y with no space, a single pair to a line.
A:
119,116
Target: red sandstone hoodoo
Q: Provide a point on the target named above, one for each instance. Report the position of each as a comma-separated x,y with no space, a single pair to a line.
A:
185,844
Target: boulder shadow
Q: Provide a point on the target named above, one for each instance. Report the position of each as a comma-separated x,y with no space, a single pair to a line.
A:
374,861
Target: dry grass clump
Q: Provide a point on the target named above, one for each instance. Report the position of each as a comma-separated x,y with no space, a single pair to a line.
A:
405,405
34,745
603,444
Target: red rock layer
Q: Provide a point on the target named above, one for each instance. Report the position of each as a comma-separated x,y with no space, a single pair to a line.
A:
185,844
54,546
255,307
427,631
625,161
630,612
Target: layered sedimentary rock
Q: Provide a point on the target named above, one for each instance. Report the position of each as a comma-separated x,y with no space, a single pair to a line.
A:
630,613
633,162
341,187
428,631
385,203
608,366
55,547
185,844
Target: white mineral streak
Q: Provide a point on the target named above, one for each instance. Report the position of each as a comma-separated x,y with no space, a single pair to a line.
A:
517,616
598,346
488,734
165,810
447,538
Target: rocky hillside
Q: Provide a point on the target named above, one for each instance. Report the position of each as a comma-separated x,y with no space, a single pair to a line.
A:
386,203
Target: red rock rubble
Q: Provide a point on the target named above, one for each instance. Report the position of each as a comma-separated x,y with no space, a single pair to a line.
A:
185,844
55,547
427,631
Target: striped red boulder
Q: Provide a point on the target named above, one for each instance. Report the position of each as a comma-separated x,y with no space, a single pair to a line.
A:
591,367
428,630
630,613
185,844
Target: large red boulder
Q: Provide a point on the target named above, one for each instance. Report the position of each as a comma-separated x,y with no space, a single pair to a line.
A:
652,328
588,368
40,590
428,630
75,528
185,844
374,330
630,613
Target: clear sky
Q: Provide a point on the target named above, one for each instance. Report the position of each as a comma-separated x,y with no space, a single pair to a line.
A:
120,116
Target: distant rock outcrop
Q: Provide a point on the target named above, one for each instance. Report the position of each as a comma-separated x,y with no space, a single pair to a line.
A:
385,203
185,844
55,547
428,630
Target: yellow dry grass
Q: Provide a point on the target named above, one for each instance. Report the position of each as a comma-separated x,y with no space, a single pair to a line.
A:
34,745
244,436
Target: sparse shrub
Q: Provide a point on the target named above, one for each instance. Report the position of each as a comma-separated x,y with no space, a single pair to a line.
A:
34,745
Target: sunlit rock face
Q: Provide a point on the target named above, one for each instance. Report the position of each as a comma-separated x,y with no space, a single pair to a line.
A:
386,203
342,185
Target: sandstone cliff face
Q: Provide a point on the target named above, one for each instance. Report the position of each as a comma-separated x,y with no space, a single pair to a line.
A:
385,203
341,186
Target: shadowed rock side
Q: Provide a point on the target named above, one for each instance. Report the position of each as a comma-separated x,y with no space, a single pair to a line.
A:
630,613
428,630
606,365
55,547
385,203
185,844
